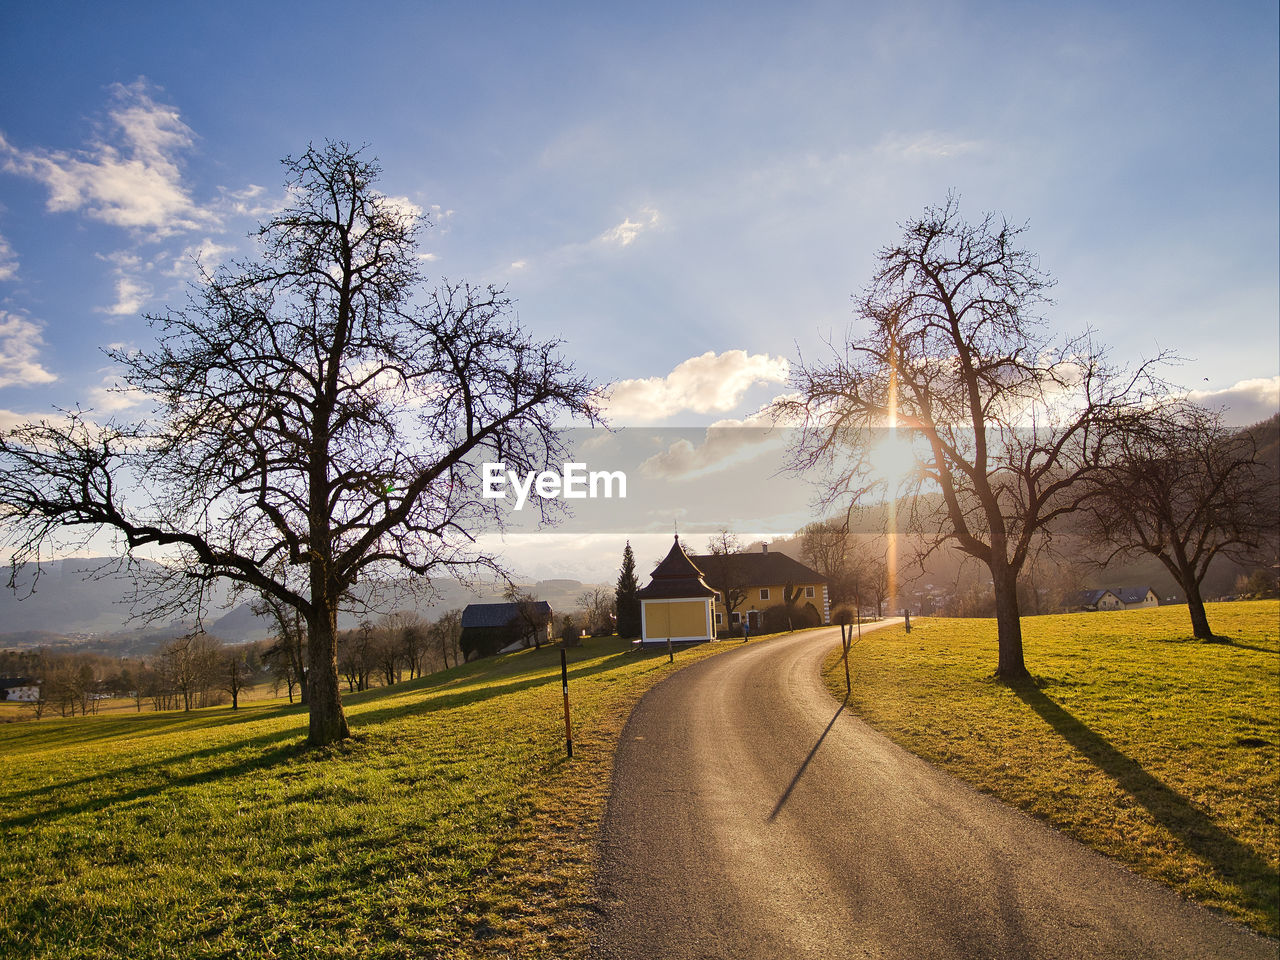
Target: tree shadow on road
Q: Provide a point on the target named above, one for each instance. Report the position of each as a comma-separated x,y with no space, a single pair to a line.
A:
1232,860
786,794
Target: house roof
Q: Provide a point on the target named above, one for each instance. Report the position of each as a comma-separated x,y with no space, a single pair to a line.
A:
8,683
499,614
756,569
1131,594
676,577
1088,598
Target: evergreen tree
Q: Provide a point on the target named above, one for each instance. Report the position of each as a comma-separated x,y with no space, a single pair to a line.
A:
627,602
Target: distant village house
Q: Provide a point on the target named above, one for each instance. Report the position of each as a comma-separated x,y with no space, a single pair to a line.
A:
24,689
1115,598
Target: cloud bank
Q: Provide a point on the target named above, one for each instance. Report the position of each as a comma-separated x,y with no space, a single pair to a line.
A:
1244,403
710,383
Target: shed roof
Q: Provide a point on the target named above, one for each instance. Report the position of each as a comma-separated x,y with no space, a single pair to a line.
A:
499,614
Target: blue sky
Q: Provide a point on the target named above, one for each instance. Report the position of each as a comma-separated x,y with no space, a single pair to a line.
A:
656,183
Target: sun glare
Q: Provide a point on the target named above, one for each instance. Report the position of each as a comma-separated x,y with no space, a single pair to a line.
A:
892,458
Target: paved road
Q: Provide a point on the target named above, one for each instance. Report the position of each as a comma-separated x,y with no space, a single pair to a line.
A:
752,817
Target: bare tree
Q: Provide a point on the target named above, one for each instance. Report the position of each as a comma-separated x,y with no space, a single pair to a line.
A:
1186,490
413,634
828,547
530,619
446,632
387,653
190,665
287,654
1010,422
824,545
725,573
597,611
236,671
319,420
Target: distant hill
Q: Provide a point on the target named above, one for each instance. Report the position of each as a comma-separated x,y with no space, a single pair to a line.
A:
85,602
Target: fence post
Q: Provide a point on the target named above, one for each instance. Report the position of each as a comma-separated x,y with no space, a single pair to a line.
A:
564,683
844,644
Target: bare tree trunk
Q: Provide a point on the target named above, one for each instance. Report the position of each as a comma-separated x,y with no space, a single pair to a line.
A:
1011,666
328,721
1195,606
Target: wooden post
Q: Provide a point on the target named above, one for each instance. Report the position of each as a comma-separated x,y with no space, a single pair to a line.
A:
844,643
564,683
671,657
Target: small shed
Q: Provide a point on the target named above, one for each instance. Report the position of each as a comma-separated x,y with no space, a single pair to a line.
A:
677,604
489,628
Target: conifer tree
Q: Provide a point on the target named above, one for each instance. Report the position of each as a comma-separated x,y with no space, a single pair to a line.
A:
627,602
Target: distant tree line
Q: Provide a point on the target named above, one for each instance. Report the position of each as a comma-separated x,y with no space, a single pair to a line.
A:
200,670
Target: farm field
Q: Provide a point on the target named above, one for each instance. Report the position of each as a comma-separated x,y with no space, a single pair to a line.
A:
451,825
1158,750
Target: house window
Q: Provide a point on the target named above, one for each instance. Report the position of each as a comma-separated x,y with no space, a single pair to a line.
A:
718,620
808,592
764,593
734,618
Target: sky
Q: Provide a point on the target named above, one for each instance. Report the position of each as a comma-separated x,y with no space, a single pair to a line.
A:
688,194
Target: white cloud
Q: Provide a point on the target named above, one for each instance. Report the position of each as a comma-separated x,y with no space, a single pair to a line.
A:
930,145
427,257
439,217
405,208
9,419
711,383
519,264
208,253
112,396
252,201
132,292
726,443
20,344
8,261
129,176
625,233
1245,402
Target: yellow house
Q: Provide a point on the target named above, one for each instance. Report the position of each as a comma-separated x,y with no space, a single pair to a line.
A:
759,581
676,605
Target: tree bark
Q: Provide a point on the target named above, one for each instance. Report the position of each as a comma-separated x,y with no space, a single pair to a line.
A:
328,721
1195,606
1010,666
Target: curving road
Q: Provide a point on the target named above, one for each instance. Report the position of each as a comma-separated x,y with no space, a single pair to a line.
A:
752,817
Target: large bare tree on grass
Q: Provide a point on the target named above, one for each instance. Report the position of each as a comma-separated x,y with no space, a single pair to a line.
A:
1186,490
319,418
1008,422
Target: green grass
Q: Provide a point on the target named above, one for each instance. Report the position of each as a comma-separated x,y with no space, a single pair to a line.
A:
451,825
1158,750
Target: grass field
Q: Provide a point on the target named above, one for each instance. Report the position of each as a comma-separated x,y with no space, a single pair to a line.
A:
450,825
1161,751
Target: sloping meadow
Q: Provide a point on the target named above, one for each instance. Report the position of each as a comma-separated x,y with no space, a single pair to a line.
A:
451,825
1156,749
